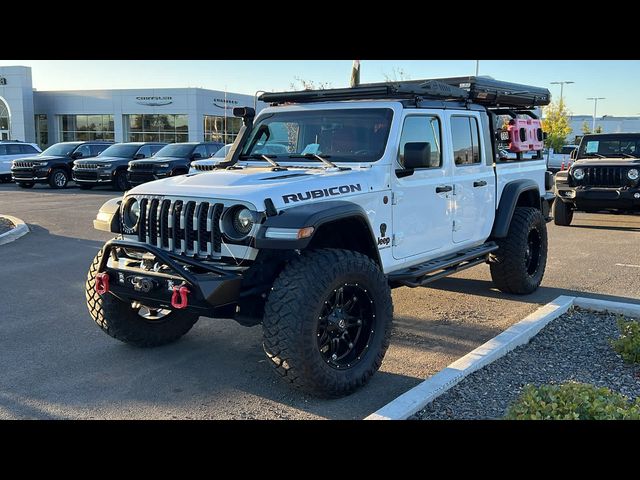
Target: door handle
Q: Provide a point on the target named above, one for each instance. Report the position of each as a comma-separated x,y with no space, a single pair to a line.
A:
444,188
481,183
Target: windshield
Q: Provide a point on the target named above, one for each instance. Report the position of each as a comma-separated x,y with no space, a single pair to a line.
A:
346,135
222,152
602,147
175,150
124,151
60,149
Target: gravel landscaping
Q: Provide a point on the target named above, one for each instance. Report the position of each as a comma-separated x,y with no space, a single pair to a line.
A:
573,347
5,225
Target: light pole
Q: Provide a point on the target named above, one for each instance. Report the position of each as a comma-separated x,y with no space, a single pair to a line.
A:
562,86
595,109
477,67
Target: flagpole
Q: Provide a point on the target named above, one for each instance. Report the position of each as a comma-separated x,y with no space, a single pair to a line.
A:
224,135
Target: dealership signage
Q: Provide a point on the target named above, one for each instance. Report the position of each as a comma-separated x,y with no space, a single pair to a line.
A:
3,81
154,101
226,104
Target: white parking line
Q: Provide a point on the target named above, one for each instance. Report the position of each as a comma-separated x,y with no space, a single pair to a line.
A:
627,265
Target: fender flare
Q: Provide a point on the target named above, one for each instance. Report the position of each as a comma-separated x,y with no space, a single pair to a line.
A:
508,201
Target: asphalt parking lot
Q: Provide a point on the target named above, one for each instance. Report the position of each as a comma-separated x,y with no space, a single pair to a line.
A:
56,363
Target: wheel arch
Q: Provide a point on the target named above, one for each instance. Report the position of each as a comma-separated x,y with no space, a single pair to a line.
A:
518,193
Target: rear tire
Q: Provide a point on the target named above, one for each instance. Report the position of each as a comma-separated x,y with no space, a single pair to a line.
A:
25,184
121,321
58,178
519,263
327,322
562,213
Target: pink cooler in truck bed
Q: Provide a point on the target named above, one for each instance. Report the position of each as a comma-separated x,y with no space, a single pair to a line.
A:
525,134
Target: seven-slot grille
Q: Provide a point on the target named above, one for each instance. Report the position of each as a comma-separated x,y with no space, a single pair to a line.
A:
603,177
142,166
87,166
188,227
22,164
204,168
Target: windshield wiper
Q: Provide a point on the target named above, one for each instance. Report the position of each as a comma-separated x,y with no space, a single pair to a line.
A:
260,156
627,155
323,159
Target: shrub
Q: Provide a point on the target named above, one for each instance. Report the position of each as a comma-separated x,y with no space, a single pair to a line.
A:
628,345
572,401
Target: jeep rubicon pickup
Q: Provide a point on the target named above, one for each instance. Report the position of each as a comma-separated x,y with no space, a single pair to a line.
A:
605,175
375,187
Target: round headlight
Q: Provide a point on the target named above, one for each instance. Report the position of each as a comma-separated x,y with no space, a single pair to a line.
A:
242,221
633,174
131,214
578,174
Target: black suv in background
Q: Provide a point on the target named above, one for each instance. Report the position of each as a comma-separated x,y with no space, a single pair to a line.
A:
605,175
110,167
172,160
53,166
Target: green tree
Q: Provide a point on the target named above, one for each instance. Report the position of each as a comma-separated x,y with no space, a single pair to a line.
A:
397,75
556,124
586,129
598,129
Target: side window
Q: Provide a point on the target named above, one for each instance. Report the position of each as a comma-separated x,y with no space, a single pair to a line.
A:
3,149
85,150
28,149
466,146
98,149
145,150
212,148
14,149
422,128
201,150
155,148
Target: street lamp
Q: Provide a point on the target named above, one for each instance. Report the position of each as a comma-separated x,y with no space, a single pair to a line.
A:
477,67
595,109
562,86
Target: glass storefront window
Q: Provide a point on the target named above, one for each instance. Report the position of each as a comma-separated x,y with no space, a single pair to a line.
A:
157,128
86,127
42,131
215,131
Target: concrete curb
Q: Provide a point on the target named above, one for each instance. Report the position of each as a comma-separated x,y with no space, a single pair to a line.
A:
419,396
15,233
629,309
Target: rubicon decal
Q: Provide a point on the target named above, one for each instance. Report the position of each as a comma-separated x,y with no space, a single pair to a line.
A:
325,192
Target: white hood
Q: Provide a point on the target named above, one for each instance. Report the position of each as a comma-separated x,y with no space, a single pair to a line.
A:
294,186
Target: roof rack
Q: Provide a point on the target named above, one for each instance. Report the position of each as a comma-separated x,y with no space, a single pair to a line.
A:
481,90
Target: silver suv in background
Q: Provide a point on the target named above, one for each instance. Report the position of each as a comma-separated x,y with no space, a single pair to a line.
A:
557,161
13,150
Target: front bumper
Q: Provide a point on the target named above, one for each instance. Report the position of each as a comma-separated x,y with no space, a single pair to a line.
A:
92,176
138,177
210,288
587,198
31,175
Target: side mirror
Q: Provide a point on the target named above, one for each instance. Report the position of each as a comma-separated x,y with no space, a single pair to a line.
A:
138,156
76,155
196,156
574,154
417,155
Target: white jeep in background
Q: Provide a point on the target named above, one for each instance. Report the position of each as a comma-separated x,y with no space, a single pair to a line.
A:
373,187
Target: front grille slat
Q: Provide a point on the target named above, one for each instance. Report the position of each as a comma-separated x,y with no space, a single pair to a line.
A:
153,221
142,229
202,214
603,177
164,224
216,235
188,227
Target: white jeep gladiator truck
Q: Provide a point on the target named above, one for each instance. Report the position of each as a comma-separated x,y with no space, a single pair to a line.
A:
373,187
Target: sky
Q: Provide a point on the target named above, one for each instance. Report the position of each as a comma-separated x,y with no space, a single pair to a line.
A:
616,80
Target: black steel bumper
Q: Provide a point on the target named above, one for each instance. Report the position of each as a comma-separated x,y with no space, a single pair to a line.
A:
208,289
93,177
588,198
30,175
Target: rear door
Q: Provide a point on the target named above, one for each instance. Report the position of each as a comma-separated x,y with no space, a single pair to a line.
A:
473,180
422,201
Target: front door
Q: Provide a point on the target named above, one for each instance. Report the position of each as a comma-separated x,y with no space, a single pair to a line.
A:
422,216
473,180
4,134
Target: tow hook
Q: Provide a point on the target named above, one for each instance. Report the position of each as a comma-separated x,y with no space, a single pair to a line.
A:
179,298
102,283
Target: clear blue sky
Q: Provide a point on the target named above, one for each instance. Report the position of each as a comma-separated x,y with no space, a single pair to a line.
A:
618,80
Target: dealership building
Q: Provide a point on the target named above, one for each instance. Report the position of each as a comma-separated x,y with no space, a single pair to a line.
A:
158,114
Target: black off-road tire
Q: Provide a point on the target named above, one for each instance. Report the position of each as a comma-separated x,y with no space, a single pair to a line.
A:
25,184
55,179
120,181
291,320
562,213
511,271
119,320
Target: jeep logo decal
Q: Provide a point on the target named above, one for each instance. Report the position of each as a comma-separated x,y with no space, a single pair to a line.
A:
325,192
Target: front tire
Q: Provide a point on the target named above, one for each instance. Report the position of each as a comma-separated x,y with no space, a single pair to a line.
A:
562,213
327,322
519,263
120,182
59,178
134,326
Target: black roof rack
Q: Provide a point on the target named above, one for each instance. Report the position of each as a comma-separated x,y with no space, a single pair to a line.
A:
482,90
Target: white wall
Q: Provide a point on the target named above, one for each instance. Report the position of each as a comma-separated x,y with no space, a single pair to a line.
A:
18,95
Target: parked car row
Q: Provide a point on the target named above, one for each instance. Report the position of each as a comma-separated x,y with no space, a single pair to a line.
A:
93,163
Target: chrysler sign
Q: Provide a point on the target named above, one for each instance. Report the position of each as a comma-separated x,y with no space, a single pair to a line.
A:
3,81
226,104
154,101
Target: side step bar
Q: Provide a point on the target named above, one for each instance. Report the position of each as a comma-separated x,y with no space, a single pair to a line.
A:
427,272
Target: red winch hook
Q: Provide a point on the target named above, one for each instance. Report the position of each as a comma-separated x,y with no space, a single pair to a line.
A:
181,292
102,283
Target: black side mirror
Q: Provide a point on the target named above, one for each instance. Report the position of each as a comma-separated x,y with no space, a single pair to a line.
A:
76,155
417,155
138,156
574,154
196,156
